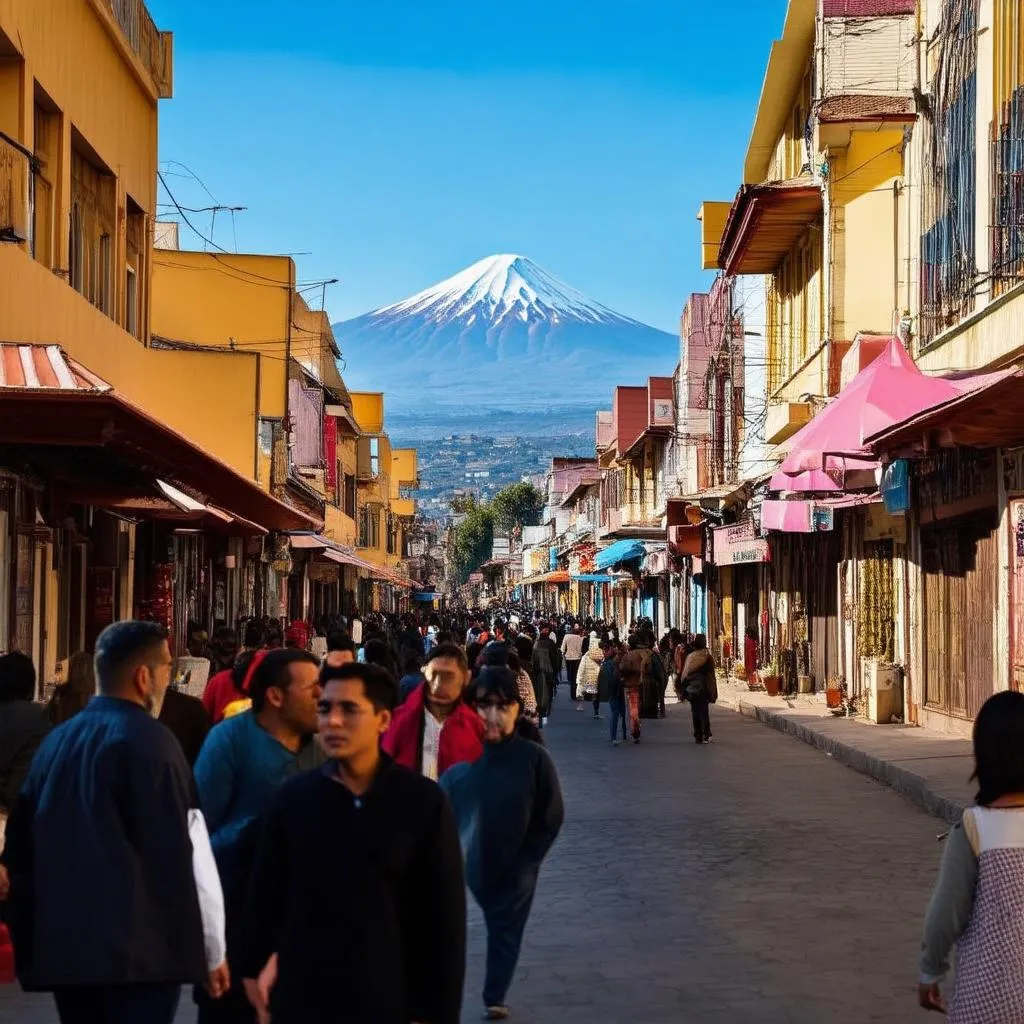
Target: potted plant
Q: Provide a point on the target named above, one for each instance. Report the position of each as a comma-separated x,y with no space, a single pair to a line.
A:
772,675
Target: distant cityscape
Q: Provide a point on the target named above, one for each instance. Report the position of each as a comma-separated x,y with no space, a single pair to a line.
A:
464,464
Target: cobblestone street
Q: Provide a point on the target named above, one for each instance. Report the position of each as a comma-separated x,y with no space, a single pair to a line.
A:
752,880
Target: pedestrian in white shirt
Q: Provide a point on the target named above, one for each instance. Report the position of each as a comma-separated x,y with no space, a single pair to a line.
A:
572,652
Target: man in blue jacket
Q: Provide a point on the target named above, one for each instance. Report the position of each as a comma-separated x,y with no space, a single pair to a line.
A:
115,901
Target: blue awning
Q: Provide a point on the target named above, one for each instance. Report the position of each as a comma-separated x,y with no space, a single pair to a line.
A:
593,577
620,551
425,596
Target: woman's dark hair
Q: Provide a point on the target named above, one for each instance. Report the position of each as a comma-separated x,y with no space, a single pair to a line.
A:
412,663
253,635
377,652
999,747
17,677
699,643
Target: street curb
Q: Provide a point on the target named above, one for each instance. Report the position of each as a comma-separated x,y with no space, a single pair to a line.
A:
911,786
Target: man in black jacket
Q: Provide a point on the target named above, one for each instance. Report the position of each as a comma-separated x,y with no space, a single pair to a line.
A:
115,901
358,885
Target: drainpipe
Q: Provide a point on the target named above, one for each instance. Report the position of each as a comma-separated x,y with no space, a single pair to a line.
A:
827,257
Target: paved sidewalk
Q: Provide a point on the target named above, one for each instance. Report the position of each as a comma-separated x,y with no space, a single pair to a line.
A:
931,771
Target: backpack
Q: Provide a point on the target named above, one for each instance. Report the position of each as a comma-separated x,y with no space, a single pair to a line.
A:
693,687
635,667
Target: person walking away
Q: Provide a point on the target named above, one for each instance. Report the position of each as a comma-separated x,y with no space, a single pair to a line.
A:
611,690
76,691
976,904
547,662
698,684
187,719
23,726
636,669
243,762
225,693
223,649
109,857
341,650
509,809
358,884
412,677
572,652
434,728
589,676
666,657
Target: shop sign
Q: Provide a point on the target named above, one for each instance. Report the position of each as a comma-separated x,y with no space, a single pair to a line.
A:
738,545
879,525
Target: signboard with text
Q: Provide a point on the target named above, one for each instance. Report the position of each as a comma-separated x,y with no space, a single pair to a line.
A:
738,545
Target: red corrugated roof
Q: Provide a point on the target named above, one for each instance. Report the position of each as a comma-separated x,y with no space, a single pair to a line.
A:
47,368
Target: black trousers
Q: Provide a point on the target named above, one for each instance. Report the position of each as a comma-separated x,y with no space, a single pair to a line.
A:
573,670
701,718
506,919
117,1004
232,1008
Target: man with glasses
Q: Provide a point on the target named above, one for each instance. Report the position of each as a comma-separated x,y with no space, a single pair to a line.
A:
115,899
358,885
434,728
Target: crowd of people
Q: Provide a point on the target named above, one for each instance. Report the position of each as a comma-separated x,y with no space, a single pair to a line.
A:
301,834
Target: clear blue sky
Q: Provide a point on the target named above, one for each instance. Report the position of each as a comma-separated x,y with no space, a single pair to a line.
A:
397,141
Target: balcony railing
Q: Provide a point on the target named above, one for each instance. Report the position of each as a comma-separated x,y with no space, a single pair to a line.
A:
149,44
16,191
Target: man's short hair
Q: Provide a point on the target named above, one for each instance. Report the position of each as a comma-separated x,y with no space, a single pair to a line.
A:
378,684
339,641
275,670
122,647
452,651
253,636
17,677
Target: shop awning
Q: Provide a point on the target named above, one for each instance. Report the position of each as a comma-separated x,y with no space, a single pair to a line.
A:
425,595
888,390
620,551
334,552
765,223
593,577
987,416
52,401
799,516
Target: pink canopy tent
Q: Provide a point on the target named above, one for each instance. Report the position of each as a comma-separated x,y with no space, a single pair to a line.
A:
888,390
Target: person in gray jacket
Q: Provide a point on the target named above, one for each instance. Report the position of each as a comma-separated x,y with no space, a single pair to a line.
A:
508,806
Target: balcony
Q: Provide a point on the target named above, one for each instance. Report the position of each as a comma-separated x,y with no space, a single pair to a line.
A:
16,197
784,419
153,48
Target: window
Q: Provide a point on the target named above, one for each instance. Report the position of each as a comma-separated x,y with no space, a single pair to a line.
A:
369,527
104,282
93,219
375,456
350,495
131,301
75,252
44,148
266,436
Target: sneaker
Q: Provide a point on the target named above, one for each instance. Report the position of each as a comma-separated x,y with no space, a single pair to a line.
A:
597,717
698,740
707,739
616,743
579,707
544,722
496,1013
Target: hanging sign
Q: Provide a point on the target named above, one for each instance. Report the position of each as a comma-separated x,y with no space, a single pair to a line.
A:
738,545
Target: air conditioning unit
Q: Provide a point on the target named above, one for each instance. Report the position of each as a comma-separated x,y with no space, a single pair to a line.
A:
883,687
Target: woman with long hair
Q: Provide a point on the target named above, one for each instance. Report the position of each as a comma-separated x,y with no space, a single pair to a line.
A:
977,904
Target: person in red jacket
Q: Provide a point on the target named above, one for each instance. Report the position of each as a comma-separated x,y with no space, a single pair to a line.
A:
434,728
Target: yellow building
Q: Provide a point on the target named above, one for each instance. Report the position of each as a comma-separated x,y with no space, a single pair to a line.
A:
384,513
822,197
128,467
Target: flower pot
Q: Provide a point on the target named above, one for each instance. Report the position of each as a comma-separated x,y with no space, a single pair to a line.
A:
833,697
805,684
772,685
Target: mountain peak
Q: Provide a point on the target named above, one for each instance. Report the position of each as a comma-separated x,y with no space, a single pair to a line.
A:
498,288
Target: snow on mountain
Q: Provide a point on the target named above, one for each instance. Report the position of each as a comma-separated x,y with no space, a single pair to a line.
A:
504,333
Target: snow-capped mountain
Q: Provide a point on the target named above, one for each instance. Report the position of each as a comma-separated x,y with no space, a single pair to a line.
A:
503,333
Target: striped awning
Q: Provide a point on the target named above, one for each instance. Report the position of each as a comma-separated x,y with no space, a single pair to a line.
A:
45,368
